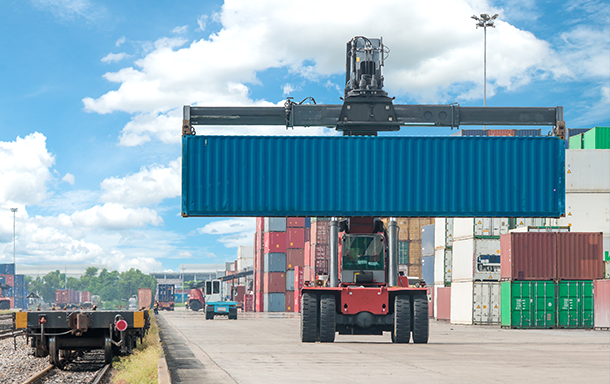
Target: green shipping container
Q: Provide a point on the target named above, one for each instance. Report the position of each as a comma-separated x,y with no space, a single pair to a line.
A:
596,138
528,304
575,304
575,141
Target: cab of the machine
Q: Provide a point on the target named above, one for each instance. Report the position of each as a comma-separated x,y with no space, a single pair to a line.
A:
362,258
213,291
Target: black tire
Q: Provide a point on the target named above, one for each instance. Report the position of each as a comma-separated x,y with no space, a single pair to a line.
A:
402,320
232,313
5,304
421,319
309,317
209,313
327,318
195,305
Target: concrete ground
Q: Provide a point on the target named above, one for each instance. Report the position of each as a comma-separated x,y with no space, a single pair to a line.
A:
265,348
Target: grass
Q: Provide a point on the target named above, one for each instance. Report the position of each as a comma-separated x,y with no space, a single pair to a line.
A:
141,366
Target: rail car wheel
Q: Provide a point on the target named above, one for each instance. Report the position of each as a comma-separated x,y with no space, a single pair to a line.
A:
107,350
309,317
53,351
402,319
421,319
327,318
195,305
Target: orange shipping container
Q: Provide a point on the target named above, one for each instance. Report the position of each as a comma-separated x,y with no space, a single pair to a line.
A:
274,282
144,298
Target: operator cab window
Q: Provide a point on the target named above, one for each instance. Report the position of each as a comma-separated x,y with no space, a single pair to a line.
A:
208,287
363,253
216,287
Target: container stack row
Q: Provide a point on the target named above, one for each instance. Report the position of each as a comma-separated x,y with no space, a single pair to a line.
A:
16,293
279,249
71,296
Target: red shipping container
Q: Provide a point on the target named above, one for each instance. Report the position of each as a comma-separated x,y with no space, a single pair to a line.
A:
528,256
443,303
85,296
322,266
289,299
299,278
320,251
320,232
62,296
274,242
144,297
297,301
430,291
295,222
259,304
294,258
361,224
249,302
580,256
601,300
307,254
500,132
307,234
240,292
274,282
295,237
260,224
9,279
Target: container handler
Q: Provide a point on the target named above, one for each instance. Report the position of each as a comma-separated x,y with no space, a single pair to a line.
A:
365,294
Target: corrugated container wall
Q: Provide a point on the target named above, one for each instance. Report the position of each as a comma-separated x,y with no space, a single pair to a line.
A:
601,289
233,176
575,304
528,304
528,256
597,138
443,303
275,262
7,269
585,170
576,141
295,258
274,282
144,298
275,224
274,302
580,256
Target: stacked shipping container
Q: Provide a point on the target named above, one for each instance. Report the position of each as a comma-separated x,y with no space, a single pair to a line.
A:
17,292
548,279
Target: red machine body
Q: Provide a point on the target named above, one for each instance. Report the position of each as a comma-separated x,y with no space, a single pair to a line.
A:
196,299
363,302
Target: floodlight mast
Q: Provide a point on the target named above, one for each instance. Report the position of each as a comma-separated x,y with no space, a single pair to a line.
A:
485,21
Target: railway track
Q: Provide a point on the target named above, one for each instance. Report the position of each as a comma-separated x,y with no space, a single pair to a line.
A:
11,333
85,368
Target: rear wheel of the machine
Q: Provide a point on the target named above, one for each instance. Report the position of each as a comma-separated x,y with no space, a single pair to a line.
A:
309,317
327,318
421,319
5,304
53,351
402,319
195,305
209,313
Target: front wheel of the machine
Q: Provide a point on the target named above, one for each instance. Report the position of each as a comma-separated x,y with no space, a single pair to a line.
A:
402,319
309,317
327,318
421,319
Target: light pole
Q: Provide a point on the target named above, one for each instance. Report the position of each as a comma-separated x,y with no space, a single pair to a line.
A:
14,210
485,21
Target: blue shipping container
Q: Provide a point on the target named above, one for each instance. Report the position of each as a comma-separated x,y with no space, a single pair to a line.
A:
373,176
275,302
427,240
527,132
166,293
7,269
21,302
19,280
275,262
470,132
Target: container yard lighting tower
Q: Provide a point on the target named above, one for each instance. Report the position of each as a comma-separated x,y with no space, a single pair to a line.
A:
485,21
13,210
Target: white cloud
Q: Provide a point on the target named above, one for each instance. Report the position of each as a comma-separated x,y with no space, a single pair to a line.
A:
25,169
289,89
442,63
68,178
180,30
151,185
112,216
201,23
234,232
120,41
114,57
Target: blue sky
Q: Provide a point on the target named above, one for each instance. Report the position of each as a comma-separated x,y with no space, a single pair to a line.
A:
91,94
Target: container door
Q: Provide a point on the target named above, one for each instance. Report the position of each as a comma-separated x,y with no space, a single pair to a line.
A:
505,300
449,232
479,226
544,304
575,304
494,304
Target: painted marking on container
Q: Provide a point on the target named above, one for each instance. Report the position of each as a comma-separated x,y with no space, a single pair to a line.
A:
569,171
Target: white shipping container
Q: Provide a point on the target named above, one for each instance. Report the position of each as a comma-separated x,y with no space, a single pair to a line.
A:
461,302
476,259
488,227
439,232
530,222
486,303
587,170
463,227
449,232
541,229
439,267
448,265
586,212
